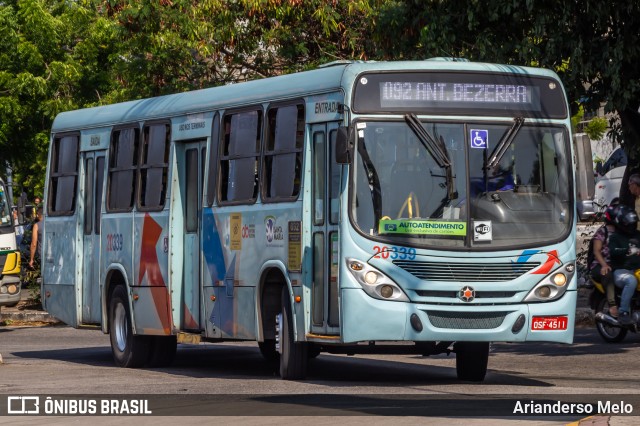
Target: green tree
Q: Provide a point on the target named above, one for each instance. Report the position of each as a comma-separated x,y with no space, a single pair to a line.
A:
51,60
58,55
173,46
594,46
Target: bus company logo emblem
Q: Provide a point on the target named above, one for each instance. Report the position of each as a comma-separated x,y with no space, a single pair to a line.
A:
391,227
270,228
467,294
482,229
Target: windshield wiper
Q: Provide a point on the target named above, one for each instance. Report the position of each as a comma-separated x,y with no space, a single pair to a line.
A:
372,179
504,143
438,151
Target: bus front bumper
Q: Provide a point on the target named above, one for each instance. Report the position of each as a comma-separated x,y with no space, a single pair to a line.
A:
9,290
367,319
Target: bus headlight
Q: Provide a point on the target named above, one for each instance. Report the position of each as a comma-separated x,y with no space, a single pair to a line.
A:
370,277
553,286
375,283
560,279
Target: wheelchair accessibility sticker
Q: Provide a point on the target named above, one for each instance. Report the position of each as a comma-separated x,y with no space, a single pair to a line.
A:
479,138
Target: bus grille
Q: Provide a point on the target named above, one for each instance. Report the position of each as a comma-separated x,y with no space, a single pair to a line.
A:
3,259
466,320
462,272
479,294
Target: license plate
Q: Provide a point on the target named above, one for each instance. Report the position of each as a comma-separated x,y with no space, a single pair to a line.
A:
550,323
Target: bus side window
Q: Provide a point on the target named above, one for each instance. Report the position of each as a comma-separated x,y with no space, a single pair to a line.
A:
64,176
122,167
283,154
240,154
154,166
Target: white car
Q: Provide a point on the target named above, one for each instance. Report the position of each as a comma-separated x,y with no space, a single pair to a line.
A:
608,188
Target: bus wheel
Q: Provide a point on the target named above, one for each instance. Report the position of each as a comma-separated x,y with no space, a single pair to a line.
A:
163,350
128,351
472,359
268,350
313,351
293,356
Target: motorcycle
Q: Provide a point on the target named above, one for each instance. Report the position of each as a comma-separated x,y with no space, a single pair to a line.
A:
607,325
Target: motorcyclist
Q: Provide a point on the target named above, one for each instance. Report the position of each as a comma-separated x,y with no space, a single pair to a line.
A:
624,248
600,267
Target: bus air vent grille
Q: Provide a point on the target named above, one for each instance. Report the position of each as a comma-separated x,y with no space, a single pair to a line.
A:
466,320
478,294
463,272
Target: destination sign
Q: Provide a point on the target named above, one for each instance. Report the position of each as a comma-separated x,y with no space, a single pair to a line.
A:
398,93
461,93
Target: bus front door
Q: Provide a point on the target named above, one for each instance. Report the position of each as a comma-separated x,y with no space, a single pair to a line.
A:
93,164
325,238
190,159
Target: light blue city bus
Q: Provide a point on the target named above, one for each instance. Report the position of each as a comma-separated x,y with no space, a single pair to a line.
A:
419,207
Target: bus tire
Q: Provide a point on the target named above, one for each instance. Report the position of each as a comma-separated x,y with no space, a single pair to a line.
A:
163,350
313,351
268,351
129,351
472,359
293,356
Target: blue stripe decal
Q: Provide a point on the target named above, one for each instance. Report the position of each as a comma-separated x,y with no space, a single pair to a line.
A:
212,247
526,255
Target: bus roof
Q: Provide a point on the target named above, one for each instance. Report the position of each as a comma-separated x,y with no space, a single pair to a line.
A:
331,77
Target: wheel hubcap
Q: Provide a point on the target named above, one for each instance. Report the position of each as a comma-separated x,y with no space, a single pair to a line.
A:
278,333
120,324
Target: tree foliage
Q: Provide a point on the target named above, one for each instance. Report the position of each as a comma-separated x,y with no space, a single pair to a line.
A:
58,55
43,71
170,46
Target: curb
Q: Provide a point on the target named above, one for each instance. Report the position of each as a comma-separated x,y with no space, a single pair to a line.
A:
585,316
28,316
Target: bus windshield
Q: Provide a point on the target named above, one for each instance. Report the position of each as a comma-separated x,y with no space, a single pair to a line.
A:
462,184
5,209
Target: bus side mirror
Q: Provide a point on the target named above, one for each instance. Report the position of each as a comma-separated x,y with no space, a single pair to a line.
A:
344,147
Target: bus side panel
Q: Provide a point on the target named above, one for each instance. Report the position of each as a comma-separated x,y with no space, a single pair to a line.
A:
214,268
150,280
59,275
236,320
234,261
151,310
116,242
233,264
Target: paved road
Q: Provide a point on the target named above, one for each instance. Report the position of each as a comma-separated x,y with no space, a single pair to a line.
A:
61,360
